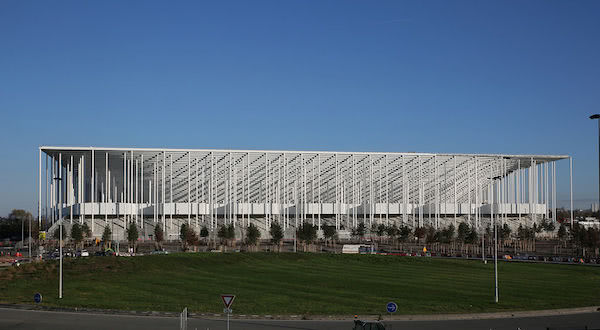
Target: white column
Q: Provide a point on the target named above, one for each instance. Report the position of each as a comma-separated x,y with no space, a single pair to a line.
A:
47,190
554,190
40,188
83,189
142,189
107,182
437,194
136,194
171,191
163,171
189,192
571,186
455,199
197,191
477,205
93,192
70,190
248,187
131,185
319,192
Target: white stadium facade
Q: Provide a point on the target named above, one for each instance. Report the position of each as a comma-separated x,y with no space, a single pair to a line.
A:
204,187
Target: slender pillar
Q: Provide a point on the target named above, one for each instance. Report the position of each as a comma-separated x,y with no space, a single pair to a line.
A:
189,185
93,191
39,191
171,192
163,188
60,243
107,182
571,183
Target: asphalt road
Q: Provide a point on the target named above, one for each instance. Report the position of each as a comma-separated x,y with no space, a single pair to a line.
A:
26,319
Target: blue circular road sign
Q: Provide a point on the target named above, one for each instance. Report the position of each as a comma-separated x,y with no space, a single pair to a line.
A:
391,307
37,297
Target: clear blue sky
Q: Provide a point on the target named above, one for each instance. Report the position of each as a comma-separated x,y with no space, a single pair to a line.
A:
426,76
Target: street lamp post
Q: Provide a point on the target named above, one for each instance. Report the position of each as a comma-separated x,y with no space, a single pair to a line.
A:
60,270
494,223
597,116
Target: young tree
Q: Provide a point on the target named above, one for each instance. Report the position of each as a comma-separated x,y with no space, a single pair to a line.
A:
360,231
447,234
159,236
106,237
132,235
253,234
547,225
226,233
204,233
183,235
276,233
56,233
463,231
419,233
562,232
307,234
231,233
505,231
329,233
85,229
76,234
190,237
222,233
392,231
537,229
380,230
404,233
472,236
431,234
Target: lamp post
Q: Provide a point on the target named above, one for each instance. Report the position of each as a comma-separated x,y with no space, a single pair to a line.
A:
60,270
597,116
494,223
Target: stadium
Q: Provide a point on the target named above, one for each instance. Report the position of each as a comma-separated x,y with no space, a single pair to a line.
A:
204,187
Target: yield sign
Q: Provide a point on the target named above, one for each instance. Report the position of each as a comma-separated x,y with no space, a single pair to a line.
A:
227,299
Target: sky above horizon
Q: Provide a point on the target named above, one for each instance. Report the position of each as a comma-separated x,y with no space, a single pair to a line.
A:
515,77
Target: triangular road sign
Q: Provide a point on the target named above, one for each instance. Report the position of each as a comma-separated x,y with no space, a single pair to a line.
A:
227,299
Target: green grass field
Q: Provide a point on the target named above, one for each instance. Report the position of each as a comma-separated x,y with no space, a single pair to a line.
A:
286,283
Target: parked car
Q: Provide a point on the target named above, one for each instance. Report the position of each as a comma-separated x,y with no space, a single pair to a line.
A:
368,325
82,253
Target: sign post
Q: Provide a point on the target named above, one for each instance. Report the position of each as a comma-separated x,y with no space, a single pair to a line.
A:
391,307
227,301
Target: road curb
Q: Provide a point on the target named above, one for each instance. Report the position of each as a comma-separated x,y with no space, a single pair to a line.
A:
218,316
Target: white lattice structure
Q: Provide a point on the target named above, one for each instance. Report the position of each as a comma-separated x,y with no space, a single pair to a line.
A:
240,186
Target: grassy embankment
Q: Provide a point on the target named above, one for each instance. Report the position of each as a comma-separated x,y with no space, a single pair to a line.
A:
302,284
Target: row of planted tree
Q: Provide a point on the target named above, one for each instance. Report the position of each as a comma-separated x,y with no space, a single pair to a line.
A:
397,237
